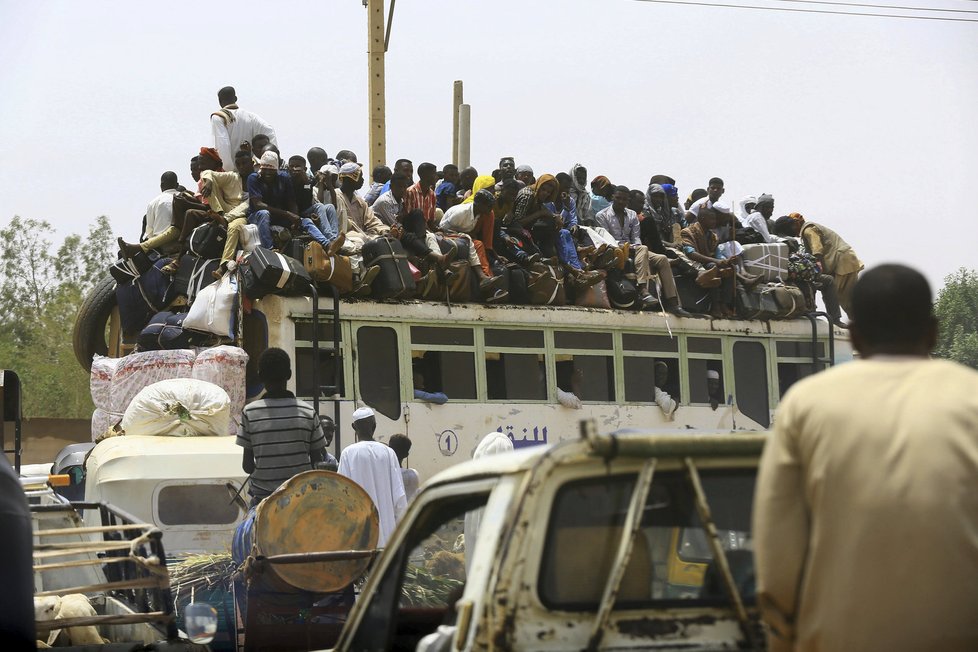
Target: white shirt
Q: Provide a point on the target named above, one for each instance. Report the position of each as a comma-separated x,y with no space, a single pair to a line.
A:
159,213
373,466
228,139
459,218
386,207
758,222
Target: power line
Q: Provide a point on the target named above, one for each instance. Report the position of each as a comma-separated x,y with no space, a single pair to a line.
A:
856,4
810,11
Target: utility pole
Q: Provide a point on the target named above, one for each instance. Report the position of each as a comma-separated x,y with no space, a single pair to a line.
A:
376,47
456,103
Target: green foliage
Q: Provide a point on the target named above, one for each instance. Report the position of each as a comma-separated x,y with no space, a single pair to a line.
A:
957,310
41,289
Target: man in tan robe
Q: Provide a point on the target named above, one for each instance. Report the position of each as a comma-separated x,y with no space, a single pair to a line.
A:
866,509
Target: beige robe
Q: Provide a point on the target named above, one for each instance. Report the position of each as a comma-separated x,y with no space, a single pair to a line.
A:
839,257
358,222
866,510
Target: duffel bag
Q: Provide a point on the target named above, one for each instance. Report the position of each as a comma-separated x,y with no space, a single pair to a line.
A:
394,280
756,303
546,286
140,300
335,270
149,337
181,280
268,272
519,279
790,300
622,293
207,240
458,277
174,336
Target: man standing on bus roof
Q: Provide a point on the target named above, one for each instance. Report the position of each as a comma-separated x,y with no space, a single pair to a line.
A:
281,435
866,509
374,466
232,127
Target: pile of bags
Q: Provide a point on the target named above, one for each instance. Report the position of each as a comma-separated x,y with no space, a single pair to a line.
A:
115,382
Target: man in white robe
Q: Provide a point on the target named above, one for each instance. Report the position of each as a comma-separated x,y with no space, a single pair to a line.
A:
374,466
232,126
866,508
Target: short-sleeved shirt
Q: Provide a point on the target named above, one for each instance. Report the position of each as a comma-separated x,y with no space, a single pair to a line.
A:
281,433
386,207
278,194
426,202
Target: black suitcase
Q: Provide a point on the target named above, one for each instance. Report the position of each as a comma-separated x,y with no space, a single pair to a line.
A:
622,293
297,247
692,296
207,240
395,280
181,280
267,272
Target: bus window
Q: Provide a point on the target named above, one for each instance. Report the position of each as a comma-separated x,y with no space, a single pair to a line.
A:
799,349
582,340
700,388
595,376
516,376
449,372
450,336
514,339
303,371
641,380
703,345
750,381
649,343
377,365
790,373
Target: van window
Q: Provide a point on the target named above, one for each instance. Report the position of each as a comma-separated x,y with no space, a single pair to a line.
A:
671,562
377,365
750,381
195,504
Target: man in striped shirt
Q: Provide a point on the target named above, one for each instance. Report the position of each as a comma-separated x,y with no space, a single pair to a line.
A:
281,435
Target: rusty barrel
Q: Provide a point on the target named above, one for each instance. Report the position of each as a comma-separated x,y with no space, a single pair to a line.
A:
314,511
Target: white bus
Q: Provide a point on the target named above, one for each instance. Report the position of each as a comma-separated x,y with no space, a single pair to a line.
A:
501,367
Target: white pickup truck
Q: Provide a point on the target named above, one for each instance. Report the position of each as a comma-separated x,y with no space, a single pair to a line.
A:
607,542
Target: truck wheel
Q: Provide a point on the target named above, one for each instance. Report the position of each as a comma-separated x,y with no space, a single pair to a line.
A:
88,338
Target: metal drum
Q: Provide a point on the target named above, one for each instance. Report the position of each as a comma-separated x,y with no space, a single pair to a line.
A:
316,511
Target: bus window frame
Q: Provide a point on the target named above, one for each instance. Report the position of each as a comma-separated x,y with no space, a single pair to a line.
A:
346,359
621,354
548,361
410,347
725,358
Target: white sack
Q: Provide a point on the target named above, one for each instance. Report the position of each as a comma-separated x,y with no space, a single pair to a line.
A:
249,238
225,366
139,370
103,372
182,407
214,307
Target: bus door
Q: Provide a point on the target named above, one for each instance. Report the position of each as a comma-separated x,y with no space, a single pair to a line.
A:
377,372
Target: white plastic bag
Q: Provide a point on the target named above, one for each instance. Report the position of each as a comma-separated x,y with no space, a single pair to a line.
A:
214,307
182,407
249,238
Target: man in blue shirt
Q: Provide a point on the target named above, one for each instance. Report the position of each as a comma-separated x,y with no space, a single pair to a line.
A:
272,199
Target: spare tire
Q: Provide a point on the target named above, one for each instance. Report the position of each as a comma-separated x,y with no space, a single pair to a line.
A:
88,338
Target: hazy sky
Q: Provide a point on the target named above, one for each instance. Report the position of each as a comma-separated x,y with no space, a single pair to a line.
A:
867,125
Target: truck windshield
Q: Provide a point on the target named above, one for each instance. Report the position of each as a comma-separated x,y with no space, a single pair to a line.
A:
671,559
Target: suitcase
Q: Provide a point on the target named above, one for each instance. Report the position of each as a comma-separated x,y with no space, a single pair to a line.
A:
394,280
200,275
181,280
519,279
335,270
268,272
149,337
207,240
769,260
692,296
755,304
140,300
297,247
174,336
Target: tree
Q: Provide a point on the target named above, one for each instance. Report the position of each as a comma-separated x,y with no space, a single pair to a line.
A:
41,288
957,310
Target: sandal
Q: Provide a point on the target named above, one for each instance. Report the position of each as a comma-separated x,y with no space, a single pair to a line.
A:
172,267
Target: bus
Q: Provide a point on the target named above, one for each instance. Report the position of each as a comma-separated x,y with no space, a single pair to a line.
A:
501,367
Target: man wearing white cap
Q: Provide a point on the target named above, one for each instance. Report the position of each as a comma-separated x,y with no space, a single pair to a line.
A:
374,466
